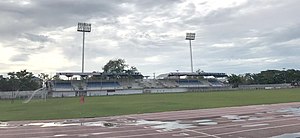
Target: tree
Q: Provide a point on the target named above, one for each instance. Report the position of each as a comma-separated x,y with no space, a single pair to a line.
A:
235,80
115,66
247,78
196,77
268,77
131,70
4,84
22,81
44,77
119,66
56,78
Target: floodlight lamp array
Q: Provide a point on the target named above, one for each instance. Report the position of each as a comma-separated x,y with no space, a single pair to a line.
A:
190,36
84,27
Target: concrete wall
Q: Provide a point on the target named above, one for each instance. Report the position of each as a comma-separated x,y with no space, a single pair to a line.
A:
136,91
165,90
63,94
96,93
127,91
265,86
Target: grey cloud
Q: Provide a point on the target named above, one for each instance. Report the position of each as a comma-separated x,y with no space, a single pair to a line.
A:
283,34
19,57
61,13
49,15
273,23
37,38
151,5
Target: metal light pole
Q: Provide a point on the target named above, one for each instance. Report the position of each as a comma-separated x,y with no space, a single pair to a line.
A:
83,27
190,37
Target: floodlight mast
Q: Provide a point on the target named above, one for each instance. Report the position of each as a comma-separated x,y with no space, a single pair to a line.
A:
83,27
190,37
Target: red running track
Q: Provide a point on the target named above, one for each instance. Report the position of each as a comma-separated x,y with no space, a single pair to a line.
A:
254,121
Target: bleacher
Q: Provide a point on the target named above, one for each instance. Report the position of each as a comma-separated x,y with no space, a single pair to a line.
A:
130,84
95,84
169,83
102,85
215,83
151,83
190,83
62,86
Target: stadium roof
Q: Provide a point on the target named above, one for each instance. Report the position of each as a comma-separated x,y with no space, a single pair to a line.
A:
192,74
71,74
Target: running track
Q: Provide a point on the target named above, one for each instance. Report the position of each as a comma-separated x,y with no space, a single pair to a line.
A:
257,121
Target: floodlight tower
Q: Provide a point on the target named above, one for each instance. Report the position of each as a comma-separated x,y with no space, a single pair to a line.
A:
83,27
190,37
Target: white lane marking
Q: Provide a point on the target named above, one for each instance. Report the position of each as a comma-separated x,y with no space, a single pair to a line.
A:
249,130
43,137
255,125
264,128
60,135
206,134
240,124
52,124
288,135
180,134
22,129
147,134
76,130
100,133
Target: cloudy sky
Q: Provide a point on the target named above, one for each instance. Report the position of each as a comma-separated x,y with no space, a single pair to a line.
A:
232,36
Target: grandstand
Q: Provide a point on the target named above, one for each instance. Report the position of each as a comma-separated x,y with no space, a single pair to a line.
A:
100,84
97,84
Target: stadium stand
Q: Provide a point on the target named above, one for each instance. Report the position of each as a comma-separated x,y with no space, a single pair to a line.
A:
168,83
130,84
62,86
112,84
215,83
102,85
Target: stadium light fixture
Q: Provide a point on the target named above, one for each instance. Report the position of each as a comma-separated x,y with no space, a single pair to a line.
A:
83,27
190,37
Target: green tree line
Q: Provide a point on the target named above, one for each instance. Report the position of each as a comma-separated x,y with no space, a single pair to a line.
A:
20,81
266,77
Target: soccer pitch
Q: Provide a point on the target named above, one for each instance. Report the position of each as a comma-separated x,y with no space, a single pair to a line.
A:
62,108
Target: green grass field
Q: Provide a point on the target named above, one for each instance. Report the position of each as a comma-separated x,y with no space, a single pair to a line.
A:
58,108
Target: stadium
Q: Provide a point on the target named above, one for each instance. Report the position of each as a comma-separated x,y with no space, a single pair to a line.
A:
129,104
250,87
